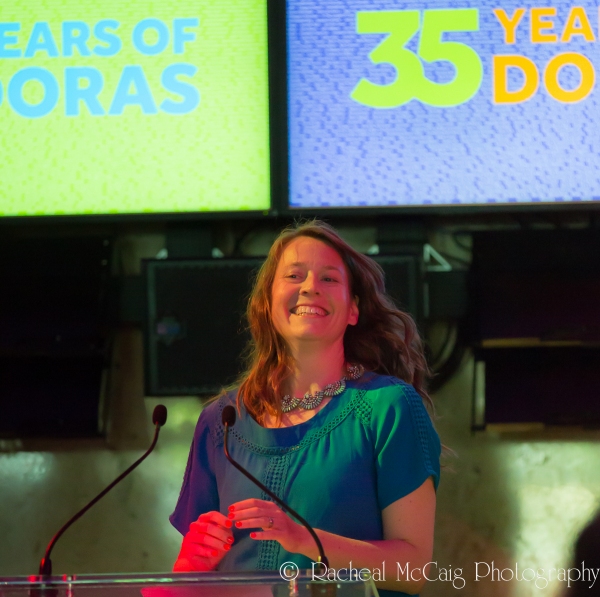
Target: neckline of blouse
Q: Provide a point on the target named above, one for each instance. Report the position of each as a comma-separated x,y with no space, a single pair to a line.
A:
329,411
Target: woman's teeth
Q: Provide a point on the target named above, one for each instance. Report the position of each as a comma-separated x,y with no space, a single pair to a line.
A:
305,310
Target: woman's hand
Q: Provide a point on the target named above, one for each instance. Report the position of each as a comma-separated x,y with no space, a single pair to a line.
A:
205,544
276,525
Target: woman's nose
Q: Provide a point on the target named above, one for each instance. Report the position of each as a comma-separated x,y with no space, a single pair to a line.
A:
310,285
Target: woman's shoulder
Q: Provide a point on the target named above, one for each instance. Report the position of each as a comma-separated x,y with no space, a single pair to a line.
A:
385,396
210,418
386,389
397,416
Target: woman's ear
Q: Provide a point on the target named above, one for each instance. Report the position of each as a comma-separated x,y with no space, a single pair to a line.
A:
354,312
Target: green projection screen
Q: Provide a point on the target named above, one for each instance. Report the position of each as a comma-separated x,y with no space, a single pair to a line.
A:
131,106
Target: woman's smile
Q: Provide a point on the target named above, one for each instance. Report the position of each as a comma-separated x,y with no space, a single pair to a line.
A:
308,311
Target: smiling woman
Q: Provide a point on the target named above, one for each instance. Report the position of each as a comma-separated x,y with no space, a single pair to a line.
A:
333,399
311,299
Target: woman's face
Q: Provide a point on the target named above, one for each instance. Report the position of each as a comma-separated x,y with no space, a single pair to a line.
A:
310,297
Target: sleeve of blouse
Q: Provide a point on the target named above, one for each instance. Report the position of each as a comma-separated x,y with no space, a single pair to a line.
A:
199,490
407,447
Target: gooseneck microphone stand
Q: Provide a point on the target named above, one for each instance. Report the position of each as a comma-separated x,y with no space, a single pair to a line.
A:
159,418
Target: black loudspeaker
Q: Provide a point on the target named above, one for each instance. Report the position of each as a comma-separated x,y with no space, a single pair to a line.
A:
195,327
50,396
53,329
195,330
550,385
540,285
535,326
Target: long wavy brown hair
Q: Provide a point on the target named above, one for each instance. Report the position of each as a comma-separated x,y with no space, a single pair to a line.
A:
384,340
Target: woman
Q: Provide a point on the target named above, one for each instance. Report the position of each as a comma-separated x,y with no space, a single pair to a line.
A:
327,420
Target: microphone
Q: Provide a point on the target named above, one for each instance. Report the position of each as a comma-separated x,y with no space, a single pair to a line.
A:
228,418
159,418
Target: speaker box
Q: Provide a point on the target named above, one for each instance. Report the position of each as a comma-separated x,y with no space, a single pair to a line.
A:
195,326
53,329
549,385
535,321
541,284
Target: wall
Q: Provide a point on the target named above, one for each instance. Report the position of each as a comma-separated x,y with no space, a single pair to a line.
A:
503,499
128,530
511,500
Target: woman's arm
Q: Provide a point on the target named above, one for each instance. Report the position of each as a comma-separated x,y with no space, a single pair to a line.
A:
407,529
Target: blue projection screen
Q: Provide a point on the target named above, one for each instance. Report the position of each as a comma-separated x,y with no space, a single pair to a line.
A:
443,102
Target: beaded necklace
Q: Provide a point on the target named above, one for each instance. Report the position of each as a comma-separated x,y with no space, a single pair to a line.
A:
310,401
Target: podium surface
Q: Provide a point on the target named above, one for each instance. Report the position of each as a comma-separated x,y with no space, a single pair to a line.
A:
197,584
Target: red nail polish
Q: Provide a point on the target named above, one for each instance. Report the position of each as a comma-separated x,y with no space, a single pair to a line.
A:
253,535
231,515
228,524
226,547
230,539
231,508
238,524
215,553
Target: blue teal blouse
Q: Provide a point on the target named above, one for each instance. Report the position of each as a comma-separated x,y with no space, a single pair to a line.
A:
368,447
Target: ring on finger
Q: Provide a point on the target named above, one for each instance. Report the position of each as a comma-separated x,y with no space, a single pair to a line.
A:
270,525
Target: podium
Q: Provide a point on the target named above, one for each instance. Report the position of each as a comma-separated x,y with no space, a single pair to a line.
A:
203,584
